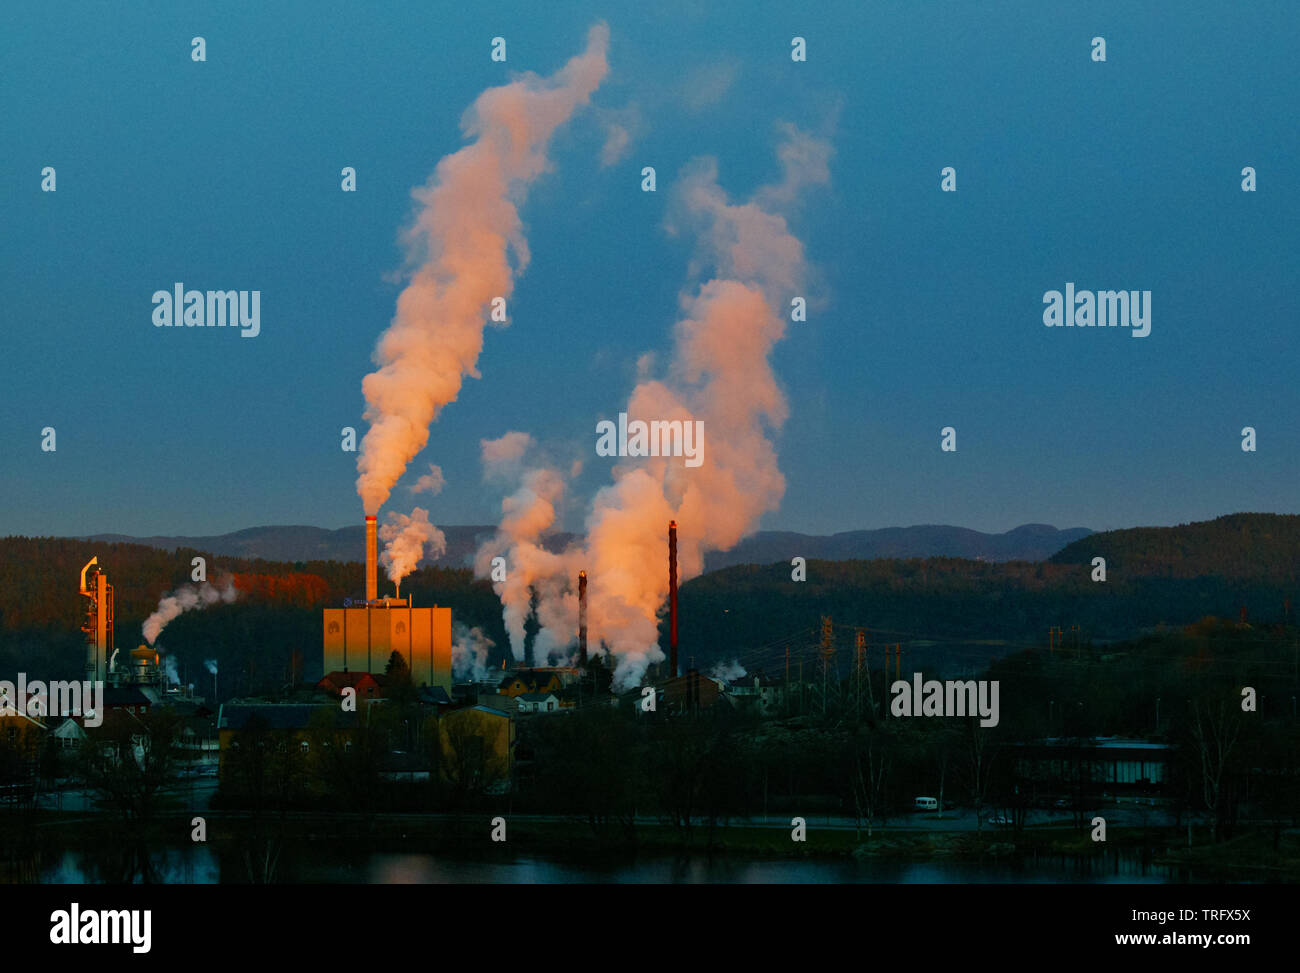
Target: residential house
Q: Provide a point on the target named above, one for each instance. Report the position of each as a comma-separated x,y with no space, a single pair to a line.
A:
531,681
476,745
538,702
128,699
759,693
690,692
365,684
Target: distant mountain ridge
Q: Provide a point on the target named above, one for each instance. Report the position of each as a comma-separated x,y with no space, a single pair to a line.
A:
300,543
1029,542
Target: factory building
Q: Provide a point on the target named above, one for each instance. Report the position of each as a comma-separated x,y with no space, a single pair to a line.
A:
361,638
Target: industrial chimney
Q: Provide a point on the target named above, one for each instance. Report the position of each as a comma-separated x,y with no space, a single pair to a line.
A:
582,618
672,599
372,558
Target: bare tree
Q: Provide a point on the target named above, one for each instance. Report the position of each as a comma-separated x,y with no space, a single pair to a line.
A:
979,765
1215,730
869,760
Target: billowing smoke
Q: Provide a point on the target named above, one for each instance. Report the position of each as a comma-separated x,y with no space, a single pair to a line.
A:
431,482
186,598
727,671
405,539
531,570
169,667
469,653
461,243
719,373
528,515
211,666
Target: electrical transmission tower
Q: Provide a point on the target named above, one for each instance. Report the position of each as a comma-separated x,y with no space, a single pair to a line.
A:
862,696
830,673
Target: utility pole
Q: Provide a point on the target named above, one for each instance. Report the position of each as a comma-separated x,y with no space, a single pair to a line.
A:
884,700
871,696
860,651
785,689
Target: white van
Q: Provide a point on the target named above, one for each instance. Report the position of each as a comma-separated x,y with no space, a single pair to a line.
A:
925,804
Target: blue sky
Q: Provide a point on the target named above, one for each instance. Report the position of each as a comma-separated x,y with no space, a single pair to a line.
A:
226,175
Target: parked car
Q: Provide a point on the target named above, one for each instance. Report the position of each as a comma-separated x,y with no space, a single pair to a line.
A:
925,804
1000,821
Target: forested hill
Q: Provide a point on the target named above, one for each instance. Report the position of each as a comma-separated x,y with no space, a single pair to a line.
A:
1239,546
275,618
1170,576
1154,577
39,577
1028,542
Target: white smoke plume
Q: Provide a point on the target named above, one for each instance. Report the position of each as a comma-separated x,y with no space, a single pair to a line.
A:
469,653
719,372
169,667
461,244
211,666
528,515
727,671
405,539
186,598
502,457
431,482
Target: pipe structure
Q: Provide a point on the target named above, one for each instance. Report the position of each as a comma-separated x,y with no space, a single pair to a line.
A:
672,599
582,618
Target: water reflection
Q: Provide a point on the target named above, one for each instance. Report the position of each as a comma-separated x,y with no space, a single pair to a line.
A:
193,865
262,859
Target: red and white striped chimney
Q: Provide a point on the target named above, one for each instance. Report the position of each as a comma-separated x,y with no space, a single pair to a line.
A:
582,618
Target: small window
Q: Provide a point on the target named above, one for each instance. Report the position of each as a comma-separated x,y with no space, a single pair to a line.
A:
305,746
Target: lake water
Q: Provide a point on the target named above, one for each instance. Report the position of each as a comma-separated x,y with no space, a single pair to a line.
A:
206,865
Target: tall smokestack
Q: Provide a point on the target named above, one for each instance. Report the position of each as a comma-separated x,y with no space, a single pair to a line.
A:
372,558
672,599
582,618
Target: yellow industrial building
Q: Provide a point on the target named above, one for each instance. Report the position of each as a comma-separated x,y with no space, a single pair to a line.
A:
362,639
